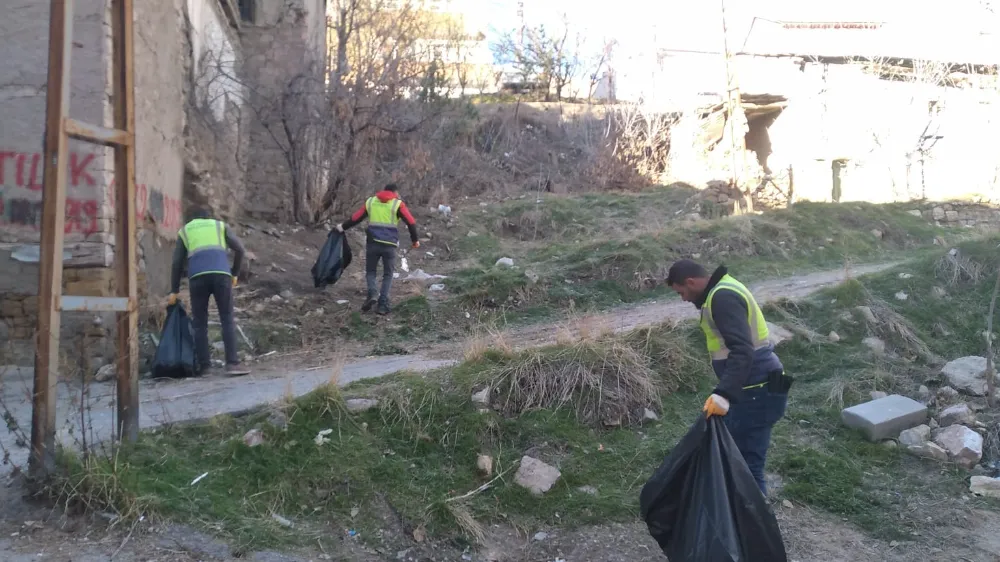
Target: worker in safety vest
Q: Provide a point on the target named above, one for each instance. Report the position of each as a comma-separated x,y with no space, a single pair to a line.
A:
753,389
384,211
203,245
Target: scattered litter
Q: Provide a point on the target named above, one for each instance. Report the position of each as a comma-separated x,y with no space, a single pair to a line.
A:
405,265
905,275
352,533
902,296
420,534
429,254
437,287
295,256
444,210
269,353
506,262
321,437
198,479
541,536
421,275
342,302
354,512
467,315
395,275
281,520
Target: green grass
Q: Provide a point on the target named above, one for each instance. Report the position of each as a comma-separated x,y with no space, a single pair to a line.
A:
599,251
417,451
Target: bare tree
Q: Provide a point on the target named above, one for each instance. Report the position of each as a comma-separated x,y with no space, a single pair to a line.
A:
383,54
543,61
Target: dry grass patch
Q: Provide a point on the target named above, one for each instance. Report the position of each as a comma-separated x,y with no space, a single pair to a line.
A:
607,381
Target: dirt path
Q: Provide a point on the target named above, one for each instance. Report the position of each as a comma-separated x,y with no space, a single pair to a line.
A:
809,536
164,402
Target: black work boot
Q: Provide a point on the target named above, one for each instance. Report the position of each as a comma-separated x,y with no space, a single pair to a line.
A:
383,308
369,304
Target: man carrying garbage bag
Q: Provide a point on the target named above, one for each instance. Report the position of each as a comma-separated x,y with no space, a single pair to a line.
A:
753,390
203,243
384,211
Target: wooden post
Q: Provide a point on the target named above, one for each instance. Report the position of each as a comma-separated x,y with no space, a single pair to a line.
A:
125,235
56,164
51,301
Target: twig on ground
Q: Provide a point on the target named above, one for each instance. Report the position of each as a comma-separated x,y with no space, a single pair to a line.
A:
484,487
990,370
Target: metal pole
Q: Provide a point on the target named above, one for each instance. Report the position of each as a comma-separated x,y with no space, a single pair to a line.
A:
125,238
734,104
43,412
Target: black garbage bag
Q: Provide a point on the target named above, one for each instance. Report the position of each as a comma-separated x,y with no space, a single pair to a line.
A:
332,261
703,505
174,356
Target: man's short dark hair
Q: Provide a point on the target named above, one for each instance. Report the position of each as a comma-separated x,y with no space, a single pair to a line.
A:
199,213
391,187
682,270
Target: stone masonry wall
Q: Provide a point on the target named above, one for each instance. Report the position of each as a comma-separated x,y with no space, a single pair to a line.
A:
285,48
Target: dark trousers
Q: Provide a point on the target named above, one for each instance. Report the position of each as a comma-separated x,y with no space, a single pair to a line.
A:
375,252
221,288
749,421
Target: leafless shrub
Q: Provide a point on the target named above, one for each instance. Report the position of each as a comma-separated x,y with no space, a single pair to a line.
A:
955,268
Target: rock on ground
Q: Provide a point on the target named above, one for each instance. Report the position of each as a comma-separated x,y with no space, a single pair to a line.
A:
985,486
777,334
946,395
875,344
964,446
482,397
105,373
485,464
915,436
886,417
967,375
959,414
253,438
358,405
928,450
536,476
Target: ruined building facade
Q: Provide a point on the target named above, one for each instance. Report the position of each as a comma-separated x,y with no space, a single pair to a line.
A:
198,65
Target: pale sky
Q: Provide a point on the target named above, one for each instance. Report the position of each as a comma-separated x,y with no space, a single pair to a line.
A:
691,25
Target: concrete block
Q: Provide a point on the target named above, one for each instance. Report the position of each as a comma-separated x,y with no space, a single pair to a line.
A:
885,418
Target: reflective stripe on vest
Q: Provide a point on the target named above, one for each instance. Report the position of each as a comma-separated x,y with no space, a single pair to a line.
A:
758,326
383,220
205,240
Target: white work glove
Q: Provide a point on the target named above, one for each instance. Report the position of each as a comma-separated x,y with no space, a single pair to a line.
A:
339,228
716,406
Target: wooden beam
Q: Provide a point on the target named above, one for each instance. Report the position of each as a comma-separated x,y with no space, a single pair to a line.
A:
95,134
56,165
123,97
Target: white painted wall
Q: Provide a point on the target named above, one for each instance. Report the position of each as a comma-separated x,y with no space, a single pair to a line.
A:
215,58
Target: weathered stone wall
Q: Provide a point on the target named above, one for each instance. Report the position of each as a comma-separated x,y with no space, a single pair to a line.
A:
285,52
216,92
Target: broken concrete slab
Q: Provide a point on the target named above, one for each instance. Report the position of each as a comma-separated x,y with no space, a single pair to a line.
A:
964,446
967,375
536,476
886,417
